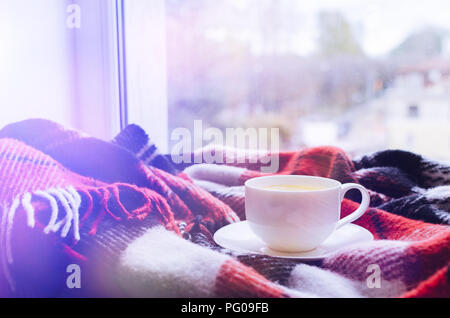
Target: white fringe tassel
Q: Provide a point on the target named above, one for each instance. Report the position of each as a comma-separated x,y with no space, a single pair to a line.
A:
4,264
9,227
53,208
26,203
69,199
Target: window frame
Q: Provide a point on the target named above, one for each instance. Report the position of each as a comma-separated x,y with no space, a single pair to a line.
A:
96,69
142,68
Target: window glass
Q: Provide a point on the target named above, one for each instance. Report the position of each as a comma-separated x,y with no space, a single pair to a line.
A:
324,72
57,61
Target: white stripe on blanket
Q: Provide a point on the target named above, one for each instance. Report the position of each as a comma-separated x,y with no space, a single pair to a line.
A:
161,264
224,175
318,282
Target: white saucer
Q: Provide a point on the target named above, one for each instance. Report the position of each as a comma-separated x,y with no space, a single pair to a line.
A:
239,237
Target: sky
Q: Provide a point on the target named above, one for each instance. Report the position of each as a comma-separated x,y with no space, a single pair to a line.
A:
381,24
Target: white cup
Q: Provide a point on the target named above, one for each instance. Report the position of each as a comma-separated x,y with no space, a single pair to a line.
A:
297,220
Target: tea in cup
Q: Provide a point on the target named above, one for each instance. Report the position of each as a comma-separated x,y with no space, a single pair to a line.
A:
293,213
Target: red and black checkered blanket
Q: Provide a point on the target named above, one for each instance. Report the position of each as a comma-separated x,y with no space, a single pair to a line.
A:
136,225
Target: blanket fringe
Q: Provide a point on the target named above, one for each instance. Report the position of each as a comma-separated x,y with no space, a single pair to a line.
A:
4,264
69,199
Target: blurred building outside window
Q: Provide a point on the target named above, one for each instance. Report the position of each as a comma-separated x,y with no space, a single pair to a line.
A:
361,75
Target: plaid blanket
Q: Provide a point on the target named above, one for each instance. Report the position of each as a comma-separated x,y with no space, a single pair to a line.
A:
138,225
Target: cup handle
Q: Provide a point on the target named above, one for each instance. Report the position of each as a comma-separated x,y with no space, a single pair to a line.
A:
362,207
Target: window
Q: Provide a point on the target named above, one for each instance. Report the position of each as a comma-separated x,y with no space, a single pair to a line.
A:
35,80
58,68
145,75
323,72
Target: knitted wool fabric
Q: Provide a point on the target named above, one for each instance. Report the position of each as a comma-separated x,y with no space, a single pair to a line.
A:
400,182
124,191
407,252
130,217
39,196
